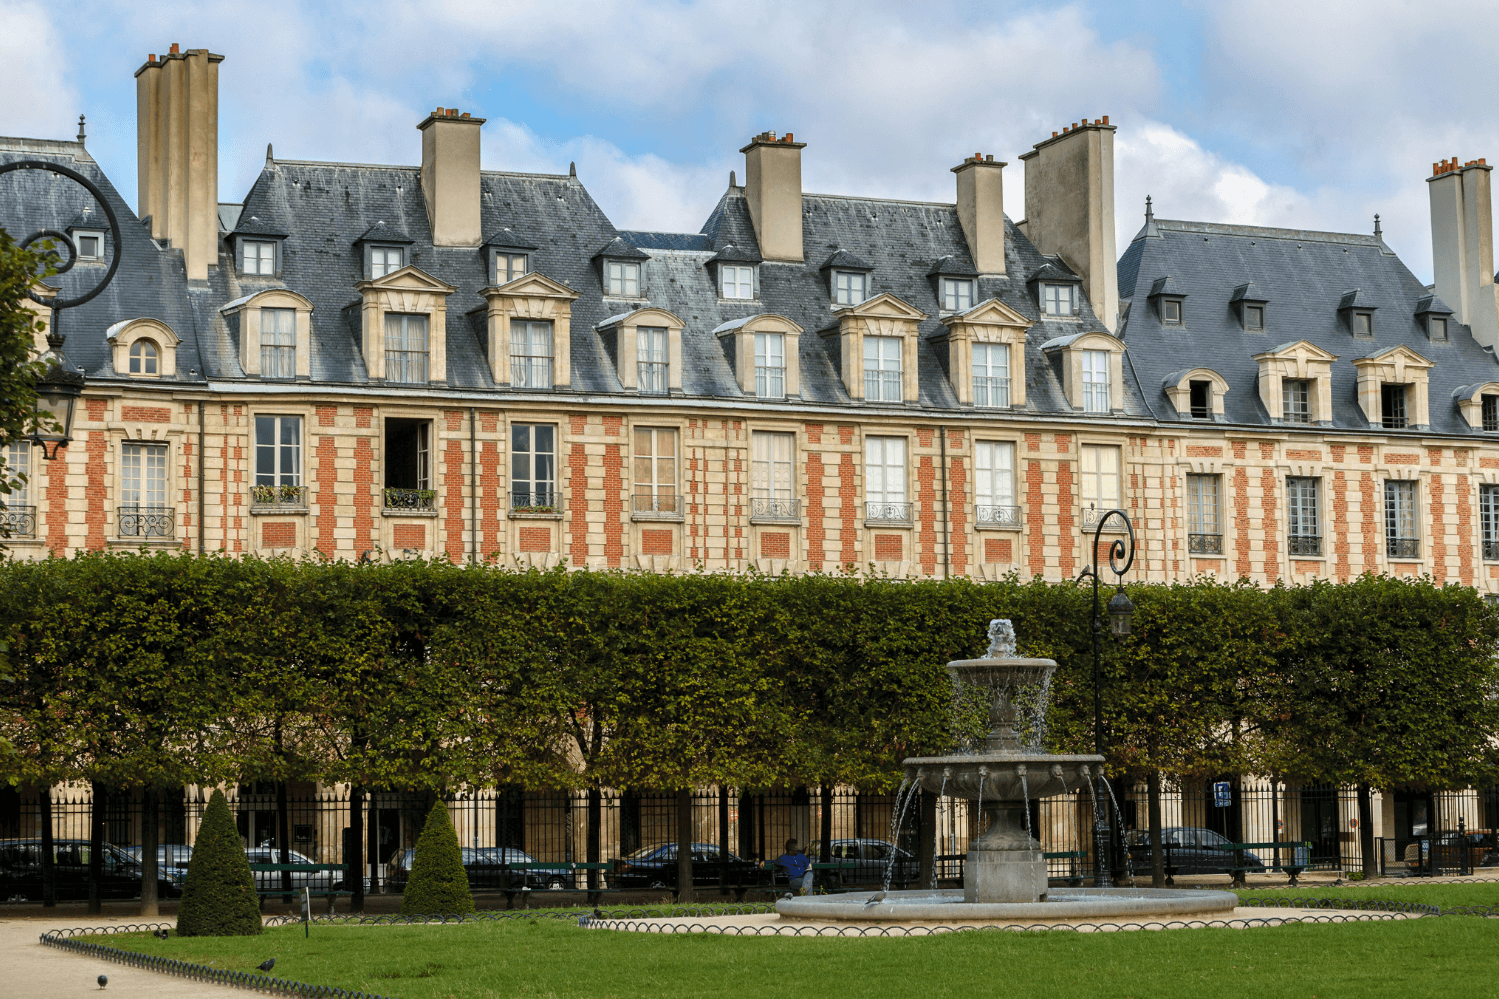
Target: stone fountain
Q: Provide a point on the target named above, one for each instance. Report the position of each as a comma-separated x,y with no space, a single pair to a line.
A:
1004,875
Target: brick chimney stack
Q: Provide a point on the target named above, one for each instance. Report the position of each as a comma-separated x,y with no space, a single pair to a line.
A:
177,149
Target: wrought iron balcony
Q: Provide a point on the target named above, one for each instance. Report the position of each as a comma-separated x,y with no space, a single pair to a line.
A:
424,500
1305,544
1205,544
658,504
998,516
786,511
277,499
146,521
1092,515
19,521
540,501
1402,548
888,513
1491,551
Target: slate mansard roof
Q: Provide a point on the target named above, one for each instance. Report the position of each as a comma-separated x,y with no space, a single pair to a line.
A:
1305,278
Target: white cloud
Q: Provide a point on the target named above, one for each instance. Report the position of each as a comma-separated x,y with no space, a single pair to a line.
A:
39,94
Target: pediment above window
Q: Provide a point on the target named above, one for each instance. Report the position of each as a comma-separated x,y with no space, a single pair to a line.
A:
408,278
531,298
407,291
532,285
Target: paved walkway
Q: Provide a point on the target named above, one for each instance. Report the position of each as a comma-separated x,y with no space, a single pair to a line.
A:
30,971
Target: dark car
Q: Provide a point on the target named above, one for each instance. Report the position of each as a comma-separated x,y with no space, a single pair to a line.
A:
119,876
1447,852
870,857
486,870
1193,850
656,867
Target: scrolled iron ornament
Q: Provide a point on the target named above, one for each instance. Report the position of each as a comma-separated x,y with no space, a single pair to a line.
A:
58,303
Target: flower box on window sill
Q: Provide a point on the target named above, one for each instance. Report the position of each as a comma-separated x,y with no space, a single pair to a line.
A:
535,506
410,503
278,499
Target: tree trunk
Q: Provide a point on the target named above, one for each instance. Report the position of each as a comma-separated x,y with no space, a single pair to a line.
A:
283,838
684,846
1366,831
49,854
1157,848
95,849
354,850
927,841
150,905
825,825
595,826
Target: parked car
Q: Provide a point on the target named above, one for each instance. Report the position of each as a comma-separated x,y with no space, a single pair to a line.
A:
120,874
1192,850
1447,850
656,867
871,857
485,867
171,858
272,880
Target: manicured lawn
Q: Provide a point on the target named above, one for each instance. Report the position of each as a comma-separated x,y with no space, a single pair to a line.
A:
1448,896
551,958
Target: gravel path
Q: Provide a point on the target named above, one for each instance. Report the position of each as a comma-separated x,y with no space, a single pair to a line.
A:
27,969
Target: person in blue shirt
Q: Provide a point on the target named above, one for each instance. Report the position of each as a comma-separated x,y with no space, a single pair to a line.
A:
796,864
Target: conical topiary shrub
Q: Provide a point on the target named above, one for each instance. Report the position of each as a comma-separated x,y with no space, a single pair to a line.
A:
219,898
438,884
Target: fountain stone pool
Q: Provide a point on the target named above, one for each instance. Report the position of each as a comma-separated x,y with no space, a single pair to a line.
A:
1004,874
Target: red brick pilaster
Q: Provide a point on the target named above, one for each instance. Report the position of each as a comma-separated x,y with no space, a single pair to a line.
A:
1270,522
1438,523
325,493
958,507
1035,512
1066,517
452,495
365,502
1340,525
816,532
847,505
1464,526
614,500
1241,516
926,501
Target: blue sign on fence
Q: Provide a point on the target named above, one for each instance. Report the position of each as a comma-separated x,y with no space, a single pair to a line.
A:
1222,794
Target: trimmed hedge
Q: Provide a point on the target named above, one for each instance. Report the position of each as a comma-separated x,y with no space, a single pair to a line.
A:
437,884
219,899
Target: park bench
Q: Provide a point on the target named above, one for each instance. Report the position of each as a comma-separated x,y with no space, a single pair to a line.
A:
511,890
328,892
1074,878
785,885
1238,870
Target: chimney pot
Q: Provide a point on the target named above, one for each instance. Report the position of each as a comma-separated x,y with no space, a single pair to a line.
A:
151,57
1105,119
1053,135
174,48
789,137
465,114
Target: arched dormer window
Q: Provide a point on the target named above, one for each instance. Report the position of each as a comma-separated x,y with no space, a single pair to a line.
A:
1197,393
275,333
143,348
1091,370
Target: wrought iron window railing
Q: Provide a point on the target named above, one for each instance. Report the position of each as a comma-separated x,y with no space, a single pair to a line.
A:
888,513
19,520
998,516
788,510
146,521
990,392
651,377
1092,515
530,372
770,382
1402,547
411,499
663,503
274,498
1491,551
1306,544
538,501
1205,544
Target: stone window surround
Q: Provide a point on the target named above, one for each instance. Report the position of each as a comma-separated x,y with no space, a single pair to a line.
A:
798,471
1069,352
412,291
1398,365
627,460
861,473
1017,477
624,329
990,321
884,315
122,433
77,234
1469,399
531,297
1222,468
1310,470
742,349
717,272
247,310
1178,388
121,335
1298,360
1407,473
1075,456
282,406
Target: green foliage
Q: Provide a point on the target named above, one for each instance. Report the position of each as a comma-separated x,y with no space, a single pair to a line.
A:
437,885
19,271
219,898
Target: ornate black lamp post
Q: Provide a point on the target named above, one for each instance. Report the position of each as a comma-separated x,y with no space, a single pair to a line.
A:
1121,613
61,383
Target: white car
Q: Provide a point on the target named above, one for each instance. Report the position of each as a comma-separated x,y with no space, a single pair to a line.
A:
271,880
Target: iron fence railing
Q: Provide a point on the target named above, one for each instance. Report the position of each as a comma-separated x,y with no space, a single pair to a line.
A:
146,521
411,499
888,513
19,520
651,377
778,510
665,504
1205,544
1305,544
1402,548
539,501
997,516
1491,551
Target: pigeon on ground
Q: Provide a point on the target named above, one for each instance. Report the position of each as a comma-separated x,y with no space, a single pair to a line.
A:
161,934
103,981
267,965
878,896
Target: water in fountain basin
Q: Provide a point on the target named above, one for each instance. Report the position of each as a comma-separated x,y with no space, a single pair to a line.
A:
932,885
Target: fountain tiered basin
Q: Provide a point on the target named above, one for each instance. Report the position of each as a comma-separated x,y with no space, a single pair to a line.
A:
1004,874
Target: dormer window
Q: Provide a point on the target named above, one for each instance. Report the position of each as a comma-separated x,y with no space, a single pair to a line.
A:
1169,301
1392,407
1201,400
1436,328
1171,311
1296,400
1250,306
1095,370
1363,324
509,266
88,245
957,294
1357,310
1436,316
257,257
622,279
1059,299
386,260
1196,393
736,281
1491,413
143,358
850,287
1254,318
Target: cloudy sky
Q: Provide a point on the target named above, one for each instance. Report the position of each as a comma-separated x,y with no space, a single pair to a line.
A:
1312,115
